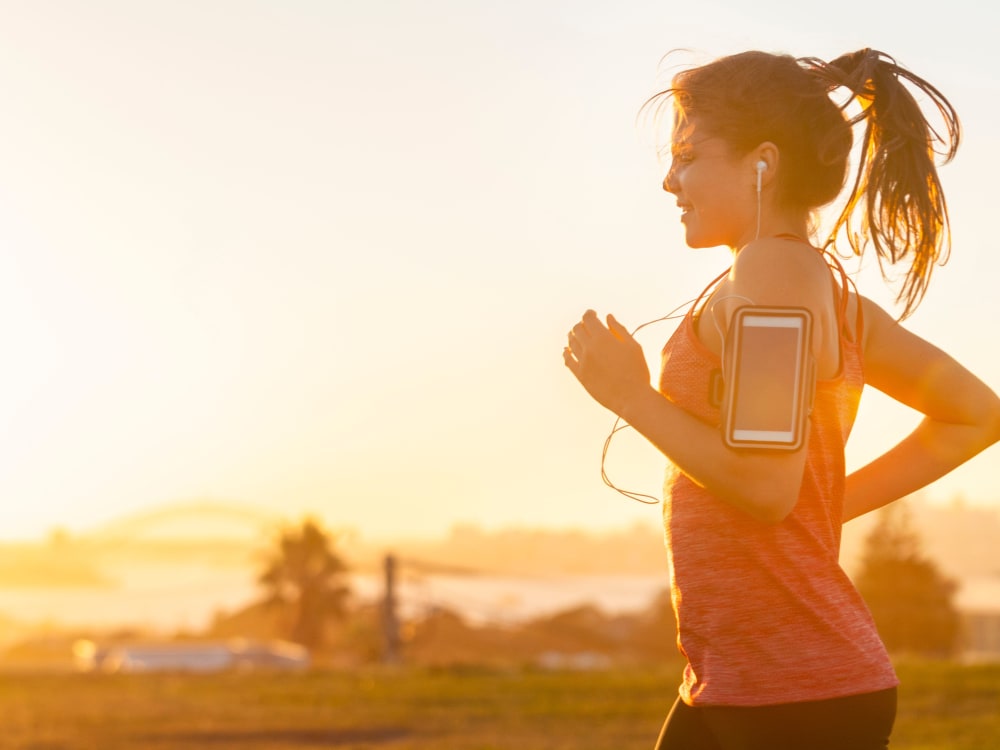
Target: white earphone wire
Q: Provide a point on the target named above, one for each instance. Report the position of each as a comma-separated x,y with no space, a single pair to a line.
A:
621,424
760,166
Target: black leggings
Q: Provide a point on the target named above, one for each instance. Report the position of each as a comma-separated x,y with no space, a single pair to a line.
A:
857,722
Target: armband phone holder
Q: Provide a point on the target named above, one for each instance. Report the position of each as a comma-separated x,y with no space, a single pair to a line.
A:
768,378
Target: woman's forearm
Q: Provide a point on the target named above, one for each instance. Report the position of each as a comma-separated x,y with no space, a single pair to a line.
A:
765,484
929,452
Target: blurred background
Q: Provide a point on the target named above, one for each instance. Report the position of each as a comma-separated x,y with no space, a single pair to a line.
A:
264,262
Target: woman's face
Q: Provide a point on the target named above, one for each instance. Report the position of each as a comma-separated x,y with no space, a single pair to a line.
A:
715,189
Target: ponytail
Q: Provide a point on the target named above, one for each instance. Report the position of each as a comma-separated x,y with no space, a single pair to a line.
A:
896,189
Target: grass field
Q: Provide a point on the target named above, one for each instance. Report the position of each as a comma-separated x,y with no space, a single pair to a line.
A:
942,706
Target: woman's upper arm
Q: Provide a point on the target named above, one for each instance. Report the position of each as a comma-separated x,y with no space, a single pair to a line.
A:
782,274
916,373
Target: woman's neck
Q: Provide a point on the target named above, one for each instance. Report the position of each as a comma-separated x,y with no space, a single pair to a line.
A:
786,229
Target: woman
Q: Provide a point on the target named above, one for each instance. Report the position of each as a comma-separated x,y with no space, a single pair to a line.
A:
781,650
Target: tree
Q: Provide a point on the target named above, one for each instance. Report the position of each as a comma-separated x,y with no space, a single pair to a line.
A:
910,599
306,577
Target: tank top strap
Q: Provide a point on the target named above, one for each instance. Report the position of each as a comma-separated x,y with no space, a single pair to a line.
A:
846,284
704,292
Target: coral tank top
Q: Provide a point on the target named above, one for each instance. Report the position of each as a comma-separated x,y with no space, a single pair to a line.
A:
765,613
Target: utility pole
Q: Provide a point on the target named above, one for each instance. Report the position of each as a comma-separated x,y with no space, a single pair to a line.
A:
390,619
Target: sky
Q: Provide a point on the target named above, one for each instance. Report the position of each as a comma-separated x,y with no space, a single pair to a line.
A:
321,257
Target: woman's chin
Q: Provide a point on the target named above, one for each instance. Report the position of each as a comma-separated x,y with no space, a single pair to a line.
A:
700,241
697,242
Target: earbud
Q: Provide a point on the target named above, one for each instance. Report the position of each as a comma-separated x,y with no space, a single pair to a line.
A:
760,166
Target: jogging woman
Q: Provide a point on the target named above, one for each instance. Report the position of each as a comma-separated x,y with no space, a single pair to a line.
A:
781,650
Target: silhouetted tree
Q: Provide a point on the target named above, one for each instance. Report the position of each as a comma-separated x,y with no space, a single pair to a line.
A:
304,575
910,599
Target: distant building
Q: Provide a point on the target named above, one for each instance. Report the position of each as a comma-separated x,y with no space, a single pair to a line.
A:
185,656
978,602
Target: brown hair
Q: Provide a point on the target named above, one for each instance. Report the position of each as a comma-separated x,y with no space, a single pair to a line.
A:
896,202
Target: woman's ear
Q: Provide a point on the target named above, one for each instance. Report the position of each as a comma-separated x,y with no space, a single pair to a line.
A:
765,160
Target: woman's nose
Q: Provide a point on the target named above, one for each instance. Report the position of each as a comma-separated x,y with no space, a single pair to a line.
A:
669,181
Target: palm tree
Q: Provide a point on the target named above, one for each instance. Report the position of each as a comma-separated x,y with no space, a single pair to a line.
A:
305,576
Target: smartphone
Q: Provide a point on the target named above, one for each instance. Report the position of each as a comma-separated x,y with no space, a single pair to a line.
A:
768,378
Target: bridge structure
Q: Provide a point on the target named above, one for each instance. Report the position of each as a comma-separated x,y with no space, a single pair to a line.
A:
190,520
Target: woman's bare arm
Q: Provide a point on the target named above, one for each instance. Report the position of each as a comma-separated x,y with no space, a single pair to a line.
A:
961,414
609,363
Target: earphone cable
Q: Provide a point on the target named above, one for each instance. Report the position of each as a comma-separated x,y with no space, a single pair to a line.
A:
621,424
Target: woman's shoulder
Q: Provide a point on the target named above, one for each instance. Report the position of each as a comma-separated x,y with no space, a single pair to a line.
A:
782,271
777,272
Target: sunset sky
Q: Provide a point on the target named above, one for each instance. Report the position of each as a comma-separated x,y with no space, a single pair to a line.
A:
322,256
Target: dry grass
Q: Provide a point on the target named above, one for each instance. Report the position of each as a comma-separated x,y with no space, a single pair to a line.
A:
941,706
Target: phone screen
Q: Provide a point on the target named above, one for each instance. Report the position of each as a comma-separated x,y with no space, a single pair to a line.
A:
767,378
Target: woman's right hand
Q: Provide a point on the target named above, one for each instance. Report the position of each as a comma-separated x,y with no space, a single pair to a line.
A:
607,361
